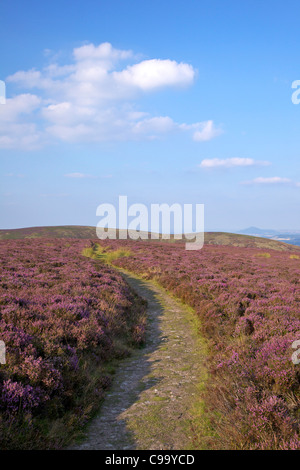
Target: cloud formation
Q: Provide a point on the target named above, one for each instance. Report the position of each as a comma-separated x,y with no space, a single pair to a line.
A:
206,131
77,175
155,73
231,163
268,180
94,99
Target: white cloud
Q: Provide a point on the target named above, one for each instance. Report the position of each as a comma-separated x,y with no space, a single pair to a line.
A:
77,175
20,136
20,104
206,132
268,180
29,78
15,130
54,195
156,125
103,51
231,162
85,175
15,175
156,73
93,99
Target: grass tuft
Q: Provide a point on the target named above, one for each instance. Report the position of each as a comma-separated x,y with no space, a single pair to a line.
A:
98,252
263,255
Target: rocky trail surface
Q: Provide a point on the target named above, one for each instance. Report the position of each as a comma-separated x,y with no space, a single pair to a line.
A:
154,402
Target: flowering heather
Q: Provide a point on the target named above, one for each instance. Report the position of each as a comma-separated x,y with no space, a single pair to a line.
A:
63,317
249,305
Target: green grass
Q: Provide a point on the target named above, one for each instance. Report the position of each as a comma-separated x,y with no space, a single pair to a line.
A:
263,255
198,425
103,254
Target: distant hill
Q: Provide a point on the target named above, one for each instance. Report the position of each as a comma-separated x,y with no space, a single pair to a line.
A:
233,239
86,232
257,231
292,238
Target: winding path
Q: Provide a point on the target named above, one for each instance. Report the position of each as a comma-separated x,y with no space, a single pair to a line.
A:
154,399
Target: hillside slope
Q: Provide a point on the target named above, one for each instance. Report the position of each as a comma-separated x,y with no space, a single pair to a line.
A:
87,232
63,231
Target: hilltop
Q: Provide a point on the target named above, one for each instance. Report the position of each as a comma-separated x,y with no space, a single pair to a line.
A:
62,231
88,232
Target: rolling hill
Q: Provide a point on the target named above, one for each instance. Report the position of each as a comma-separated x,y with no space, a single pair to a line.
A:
88,232
290,237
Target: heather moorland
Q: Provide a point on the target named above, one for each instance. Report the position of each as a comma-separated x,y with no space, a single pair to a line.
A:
248,301
64,320
67,315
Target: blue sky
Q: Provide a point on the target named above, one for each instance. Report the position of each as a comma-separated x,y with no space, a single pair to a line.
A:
173,101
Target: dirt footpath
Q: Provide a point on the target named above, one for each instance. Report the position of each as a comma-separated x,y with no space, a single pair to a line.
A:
154,400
